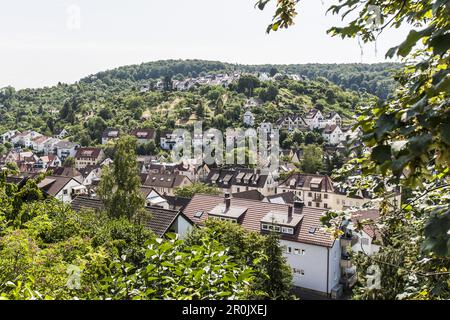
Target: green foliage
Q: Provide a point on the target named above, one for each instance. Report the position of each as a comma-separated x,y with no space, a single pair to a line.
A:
312,159
115,258
119,188
196,187
272,275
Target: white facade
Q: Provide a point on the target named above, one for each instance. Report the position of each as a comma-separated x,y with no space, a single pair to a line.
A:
65,194
313,267
334,137
182,226
8,135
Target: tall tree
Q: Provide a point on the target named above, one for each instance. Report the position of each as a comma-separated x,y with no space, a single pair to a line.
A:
120,185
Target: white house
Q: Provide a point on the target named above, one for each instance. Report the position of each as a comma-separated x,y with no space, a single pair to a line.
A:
25,138
62,188
66,149
8,135
249,118
313,255
333,134
314,119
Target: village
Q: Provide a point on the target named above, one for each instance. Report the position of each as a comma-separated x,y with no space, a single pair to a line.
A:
284,201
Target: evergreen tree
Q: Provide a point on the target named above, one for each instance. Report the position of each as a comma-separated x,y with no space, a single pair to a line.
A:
120,185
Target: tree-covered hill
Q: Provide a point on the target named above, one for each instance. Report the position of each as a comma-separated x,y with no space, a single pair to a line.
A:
115,99
376,79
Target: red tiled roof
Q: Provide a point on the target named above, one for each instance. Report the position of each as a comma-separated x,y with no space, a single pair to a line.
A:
257,210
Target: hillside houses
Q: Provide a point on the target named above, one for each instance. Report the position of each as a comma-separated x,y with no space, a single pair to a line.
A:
165,183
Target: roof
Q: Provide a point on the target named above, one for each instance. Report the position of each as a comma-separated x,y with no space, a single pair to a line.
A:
284,198
250,194
64,171
162,219
164,180
82,202
255,211
88,153
177,202
148,134
329,129
304,181
111,133
52,185
63,144
224,178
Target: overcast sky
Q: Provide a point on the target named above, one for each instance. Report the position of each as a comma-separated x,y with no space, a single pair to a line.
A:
43,42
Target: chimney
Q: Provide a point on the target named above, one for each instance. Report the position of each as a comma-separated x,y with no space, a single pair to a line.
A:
227,201
290,210
298,204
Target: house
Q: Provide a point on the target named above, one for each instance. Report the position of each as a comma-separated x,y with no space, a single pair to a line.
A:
88,156
318,191
153,198
331,119
60,133
241,179
144,136
49,146
314,119
91,174
169,139
166,183
110,134
290,123
160,221
62,188
25,138
249,118
38,144
8,135
333,134
51,160
313,255
65,149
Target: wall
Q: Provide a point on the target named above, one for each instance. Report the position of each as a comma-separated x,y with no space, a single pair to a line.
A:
313,262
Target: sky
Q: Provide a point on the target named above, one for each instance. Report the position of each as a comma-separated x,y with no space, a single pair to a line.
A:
49,41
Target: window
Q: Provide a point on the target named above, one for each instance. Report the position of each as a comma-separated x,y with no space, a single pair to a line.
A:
287,230
309,204
289,250
312,230
325,196
325,205
198,214
309,194
317,204
238,189
303,252
296,251
65,191
276,228
264,227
